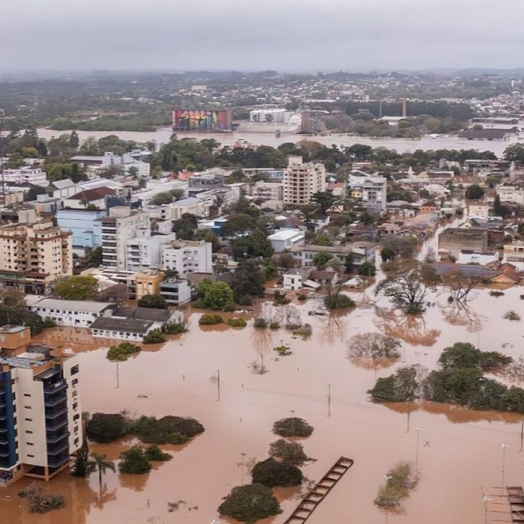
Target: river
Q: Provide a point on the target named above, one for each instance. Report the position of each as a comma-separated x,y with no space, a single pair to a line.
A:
162,135
459,451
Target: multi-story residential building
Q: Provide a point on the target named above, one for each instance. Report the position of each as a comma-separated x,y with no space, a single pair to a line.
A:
186,256
302,180
511,193
34,255
25,175
196,206
372,192
273,191
40,413
84,224
143,251
121,225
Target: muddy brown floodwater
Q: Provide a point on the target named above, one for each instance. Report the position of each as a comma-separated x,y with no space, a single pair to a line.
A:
459,451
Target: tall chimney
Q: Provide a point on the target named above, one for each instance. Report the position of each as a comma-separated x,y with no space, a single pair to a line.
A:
404,108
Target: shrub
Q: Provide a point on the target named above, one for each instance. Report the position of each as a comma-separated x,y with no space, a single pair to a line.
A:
153,301
122,351
41,500
400,481
154,337
289,452
283,350
403,386
272,473
302,298
49,323
154,453
134,461
304,331
274,325
105,427
167,430
250,503
338,301
260,323
292,427
464,355
210,320
496,294
174,328
237,322
512,315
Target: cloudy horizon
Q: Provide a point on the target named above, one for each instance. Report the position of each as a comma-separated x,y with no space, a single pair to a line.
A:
289,35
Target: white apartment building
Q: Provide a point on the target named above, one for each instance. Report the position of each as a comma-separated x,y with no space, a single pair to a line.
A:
26,175
143,251
75,313
121,225
265,191
509,193
302,180
186,256
34,255
40,426
196,206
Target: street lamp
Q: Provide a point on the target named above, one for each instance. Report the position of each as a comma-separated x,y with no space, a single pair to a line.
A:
503,446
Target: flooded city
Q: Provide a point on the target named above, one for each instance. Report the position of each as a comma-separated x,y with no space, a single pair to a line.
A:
458,451
401,145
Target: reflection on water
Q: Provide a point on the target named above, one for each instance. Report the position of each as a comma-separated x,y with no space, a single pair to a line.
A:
463,455
412,329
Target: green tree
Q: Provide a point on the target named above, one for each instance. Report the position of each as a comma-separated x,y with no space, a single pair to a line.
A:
464,355
272,473
255,244
248,281
367,269
514,153
216,295
250,503
74,141
106,427
33,192
474,192
154,301
134,461
324,200
99,463
322,259
77,287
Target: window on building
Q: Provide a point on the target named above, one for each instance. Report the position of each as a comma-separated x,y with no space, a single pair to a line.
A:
74,370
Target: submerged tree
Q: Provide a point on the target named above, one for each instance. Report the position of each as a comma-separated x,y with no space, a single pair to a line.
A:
99,463
408,284
373,349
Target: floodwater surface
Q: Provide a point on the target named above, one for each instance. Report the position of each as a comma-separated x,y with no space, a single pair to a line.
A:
401,145
458,451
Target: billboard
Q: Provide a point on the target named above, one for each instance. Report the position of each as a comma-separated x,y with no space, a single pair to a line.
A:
202,120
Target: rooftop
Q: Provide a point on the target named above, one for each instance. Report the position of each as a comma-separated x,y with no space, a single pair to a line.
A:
130,325
285,234
72,305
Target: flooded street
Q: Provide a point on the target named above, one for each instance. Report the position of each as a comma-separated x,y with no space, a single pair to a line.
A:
459,451
401,145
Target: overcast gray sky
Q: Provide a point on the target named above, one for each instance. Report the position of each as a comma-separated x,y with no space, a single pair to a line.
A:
285,35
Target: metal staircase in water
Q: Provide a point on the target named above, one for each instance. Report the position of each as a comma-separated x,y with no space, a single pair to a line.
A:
311,501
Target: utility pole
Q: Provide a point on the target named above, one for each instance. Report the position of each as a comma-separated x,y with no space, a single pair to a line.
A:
117,376
329,400
521,434
218,385
416,453
504,446
292,411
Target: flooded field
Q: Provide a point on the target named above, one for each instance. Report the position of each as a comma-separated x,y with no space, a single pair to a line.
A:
459,451
402,145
